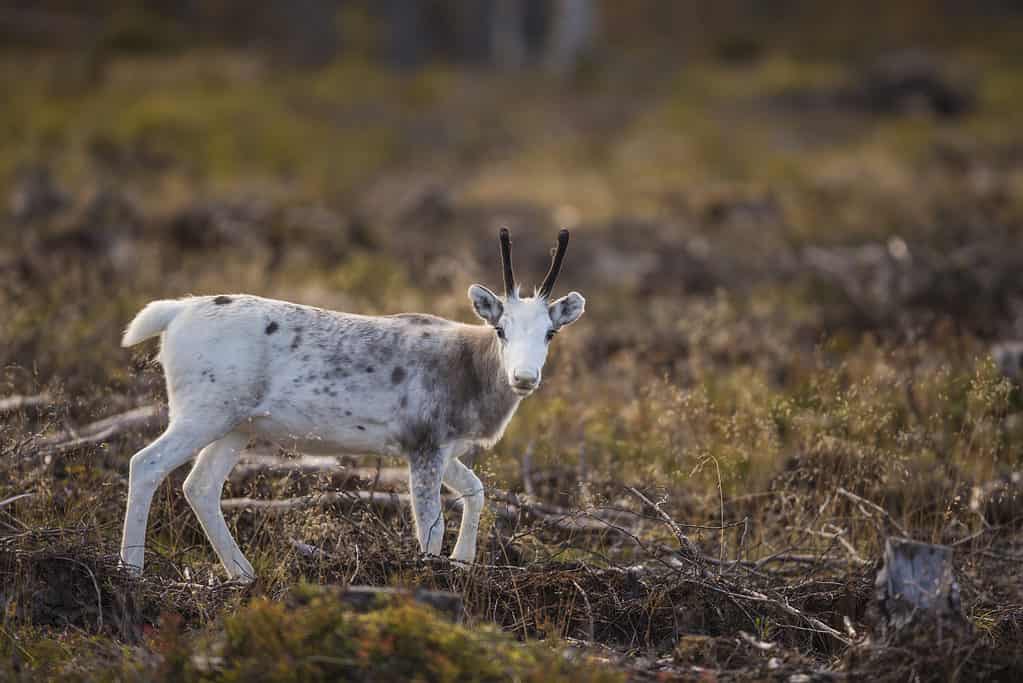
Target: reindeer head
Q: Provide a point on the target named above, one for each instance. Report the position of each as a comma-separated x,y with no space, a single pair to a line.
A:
526,326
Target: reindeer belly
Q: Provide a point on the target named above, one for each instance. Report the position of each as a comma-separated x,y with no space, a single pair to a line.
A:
319,418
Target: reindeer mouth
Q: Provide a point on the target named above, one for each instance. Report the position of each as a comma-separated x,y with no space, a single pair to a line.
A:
524,388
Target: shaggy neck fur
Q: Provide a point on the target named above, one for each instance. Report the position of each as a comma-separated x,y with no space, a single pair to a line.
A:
481,400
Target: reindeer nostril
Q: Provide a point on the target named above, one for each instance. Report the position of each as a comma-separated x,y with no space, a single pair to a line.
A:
525,377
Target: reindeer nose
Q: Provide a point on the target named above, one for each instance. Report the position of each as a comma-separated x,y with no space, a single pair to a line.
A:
526,378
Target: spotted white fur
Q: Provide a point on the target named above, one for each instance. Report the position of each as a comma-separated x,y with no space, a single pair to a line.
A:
415,385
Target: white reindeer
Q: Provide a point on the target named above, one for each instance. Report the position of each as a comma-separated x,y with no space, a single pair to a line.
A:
415,385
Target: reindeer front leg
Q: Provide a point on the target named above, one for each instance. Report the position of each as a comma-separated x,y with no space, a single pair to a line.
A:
467,485
426,471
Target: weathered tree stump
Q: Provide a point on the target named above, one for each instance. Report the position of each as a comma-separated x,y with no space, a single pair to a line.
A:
916,584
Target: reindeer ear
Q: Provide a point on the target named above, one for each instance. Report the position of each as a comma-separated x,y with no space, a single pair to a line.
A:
486,304
567,309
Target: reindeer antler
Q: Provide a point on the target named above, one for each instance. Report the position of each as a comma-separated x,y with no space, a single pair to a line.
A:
552,274
506,261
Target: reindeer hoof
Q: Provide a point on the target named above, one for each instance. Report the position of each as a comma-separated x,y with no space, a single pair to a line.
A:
134,571
463,560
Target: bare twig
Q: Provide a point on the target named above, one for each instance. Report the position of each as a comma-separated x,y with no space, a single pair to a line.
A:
589,609
784,606
873,506
8,501
683,540
144,417
95,585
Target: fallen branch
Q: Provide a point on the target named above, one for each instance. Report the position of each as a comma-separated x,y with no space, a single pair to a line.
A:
874,506
511,512
12,404
145,417
684,543
7,501
398,476
282,505
314,465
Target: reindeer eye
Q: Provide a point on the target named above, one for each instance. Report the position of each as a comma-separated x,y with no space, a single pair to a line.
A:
550,335
500,333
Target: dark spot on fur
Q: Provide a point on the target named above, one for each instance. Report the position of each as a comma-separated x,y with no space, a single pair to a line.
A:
404,401
425,335
370,368
271,328
297,340
360,428
398,375
348,413
222,300
419,438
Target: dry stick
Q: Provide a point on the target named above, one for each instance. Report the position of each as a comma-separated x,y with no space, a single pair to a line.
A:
65,446
527,471
358,566
95,585
271,464
8,501
577,520
589,609
316,464
94,432
15,403
281,505
839,535
789,609
721,504
683,540
874,506
507,511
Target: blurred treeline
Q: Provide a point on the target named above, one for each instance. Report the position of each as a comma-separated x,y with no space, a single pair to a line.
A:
555,35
